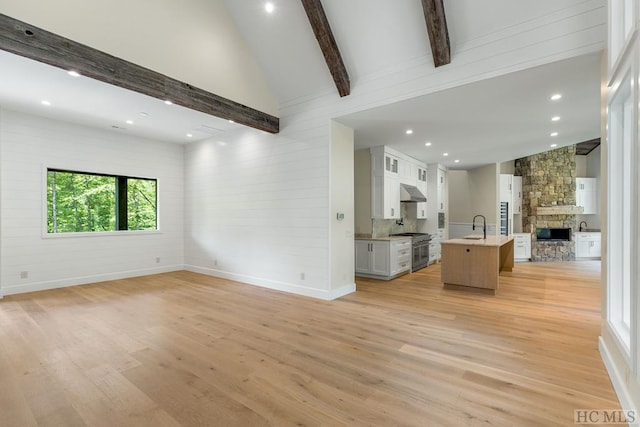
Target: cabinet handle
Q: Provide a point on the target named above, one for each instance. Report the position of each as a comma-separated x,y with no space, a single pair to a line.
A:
392,211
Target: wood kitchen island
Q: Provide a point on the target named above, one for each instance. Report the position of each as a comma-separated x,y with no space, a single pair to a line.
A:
475,263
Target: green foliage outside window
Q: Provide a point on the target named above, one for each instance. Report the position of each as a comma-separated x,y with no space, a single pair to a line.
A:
85,202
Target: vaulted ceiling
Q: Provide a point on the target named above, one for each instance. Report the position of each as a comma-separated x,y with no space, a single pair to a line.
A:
376,37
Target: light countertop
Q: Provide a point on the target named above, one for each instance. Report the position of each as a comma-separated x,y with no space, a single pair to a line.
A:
477,240
384,239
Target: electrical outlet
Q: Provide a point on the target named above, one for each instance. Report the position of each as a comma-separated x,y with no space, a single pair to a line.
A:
24,274
157,260
302,276
215,262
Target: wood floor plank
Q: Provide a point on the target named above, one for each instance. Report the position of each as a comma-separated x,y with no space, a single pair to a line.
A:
184,349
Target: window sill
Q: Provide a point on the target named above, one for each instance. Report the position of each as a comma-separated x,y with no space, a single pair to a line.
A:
100,234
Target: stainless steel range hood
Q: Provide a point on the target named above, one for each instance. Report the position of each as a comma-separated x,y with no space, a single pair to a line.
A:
410,193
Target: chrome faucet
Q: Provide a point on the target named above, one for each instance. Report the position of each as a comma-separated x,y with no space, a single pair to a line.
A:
484,225
585,225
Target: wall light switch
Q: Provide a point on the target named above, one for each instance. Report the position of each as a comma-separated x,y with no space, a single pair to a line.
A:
340,216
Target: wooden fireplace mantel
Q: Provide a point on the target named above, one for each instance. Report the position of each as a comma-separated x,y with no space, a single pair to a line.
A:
559,210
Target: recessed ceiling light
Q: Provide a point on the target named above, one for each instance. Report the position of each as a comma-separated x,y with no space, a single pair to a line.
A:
428,144
143,114
445,154
45,102
456,161
409,131
129,122
556,96
555,118
168,102
73,73
269,7
554,133
189,135
230,121
554,145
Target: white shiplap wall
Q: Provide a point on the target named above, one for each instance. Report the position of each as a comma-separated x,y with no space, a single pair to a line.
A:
256,210
30,144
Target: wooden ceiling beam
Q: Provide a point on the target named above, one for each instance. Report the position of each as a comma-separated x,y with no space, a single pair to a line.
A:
322,31
437,31
35,43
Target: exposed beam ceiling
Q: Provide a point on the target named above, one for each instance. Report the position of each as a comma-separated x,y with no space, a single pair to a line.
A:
584,148
26,40
437,30
322,31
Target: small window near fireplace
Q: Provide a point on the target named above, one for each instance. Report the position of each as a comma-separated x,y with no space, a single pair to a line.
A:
553,234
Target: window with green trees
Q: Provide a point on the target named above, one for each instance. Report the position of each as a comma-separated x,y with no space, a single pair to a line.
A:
87,202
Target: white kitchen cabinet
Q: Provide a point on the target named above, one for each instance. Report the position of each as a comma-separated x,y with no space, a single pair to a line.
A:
391,164
441,202
408,172
588,245
586,195
399,256
521,246
382,259
506,189
516,195
419,210
385,197
385,185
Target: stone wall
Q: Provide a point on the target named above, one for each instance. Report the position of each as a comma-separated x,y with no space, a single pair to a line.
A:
548,179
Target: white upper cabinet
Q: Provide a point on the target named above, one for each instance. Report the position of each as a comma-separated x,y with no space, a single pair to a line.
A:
506,188
419,210
516,194
391,164
441,201
389,169
587,195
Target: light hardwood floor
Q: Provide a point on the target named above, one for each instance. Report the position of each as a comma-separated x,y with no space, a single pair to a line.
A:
182,349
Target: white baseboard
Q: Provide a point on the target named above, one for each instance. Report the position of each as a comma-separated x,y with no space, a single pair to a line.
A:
616,377
273,284
344,290
257,281
63,283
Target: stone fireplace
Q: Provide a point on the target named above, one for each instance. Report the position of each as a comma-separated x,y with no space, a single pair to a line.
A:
548,200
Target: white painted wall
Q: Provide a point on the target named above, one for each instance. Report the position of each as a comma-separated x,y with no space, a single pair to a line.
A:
257,207
474,192
30,144
362,191
460,207
195,41
342,247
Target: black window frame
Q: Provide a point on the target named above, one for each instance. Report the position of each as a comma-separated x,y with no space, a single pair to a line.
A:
121,200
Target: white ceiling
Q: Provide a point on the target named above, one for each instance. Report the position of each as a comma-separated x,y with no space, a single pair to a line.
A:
26,83
493,120
480,123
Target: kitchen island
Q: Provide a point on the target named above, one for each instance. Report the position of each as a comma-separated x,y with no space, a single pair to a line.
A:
473,262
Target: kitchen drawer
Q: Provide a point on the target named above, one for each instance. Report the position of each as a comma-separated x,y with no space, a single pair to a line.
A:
404,266
403,258
404,252
400,244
